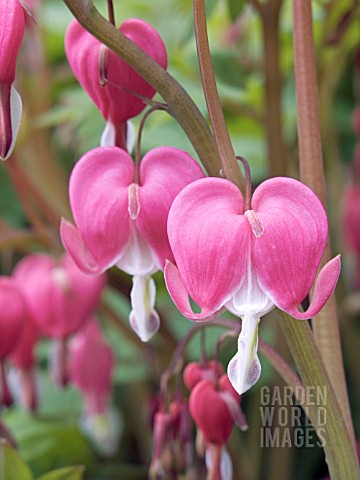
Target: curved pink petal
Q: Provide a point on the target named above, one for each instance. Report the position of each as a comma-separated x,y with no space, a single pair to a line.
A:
287,254
180,295
164,172
60,297
98,193
13,314
113,99
82,51
209,237
324,287
12,25
91,360
75,246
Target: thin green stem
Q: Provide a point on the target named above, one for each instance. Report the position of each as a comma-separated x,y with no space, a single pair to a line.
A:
181,106
340,456
326,327
223,142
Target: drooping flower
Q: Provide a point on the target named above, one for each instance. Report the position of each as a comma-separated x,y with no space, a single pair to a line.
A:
194,372
248,258
122,221
91,364
109,81
172,441
60,296
12,25
22,357
216,423
12,316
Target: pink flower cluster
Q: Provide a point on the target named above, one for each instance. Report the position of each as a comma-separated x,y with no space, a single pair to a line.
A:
45,297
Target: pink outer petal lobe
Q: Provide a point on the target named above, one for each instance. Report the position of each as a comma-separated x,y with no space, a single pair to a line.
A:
164,172
287,255
98,193
209,238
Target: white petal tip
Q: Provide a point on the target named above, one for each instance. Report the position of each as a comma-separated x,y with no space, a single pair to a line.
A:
145,328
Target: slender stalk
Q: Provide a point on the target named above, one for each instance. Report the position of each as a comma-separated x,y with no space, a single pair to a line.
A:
325,325
270,14
181,106
154,108
111,12
223,142
340,456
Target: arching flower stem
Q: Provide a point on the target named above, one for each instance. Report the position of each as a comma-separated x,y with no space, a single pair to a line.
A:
111,12
153,108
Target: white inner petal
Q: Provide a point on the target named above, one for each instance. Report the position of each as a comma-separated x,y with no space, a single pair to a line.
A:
108,136
250,298
137,257
16,113
144,320
130,136
244,368
226,467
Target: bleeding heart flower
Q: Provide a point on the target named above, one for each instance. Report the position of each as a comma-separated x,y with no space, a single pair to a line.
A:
216,422
122,221
12,25
248,258
24,380
12,316
60,297
194,372
109,81
13,313
91,364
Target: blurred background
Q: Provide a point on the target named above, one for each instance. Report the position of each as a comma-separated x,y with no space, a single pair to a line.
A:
253,62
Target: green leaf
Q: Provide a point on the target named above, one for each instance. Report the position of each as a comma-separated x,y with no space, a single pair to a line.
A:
12,466
67,473
47,442
235,8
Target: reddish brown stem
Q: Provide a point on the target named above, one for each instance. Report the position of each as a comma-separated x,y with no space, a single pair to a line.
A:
326,327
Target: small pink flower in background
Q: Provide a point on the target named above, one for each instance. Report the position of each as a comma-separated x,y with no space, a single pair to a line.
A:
90,61
122,221
194,372
248,258
172,441
22,357
12,316
12,25
60,297
91,366
215,408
